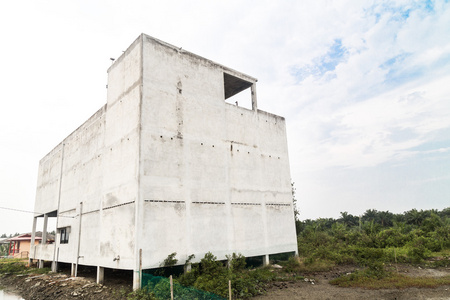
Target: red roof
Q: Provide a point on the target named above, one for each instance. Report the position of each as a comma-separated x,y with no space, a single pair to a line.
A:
27,237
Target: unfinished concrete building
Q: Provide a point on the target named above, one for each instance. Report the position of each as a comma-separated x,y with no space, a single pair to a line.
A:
167,165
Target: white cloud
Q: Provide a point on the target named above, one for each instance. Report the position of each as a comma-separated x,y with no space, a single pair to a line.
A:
373,131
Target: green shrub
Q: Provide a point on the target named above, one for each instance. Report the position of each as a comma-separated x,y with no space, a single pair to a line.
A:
217,284
418,250
212,276
188,278
392,238
431,223
167,267
170,261
237,262
366,256
396,255
418,254
291,265
141,294
375,269
12,266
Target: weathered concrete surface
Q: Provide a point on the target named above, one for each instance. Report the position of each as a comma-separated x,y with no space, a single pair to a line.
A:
168,166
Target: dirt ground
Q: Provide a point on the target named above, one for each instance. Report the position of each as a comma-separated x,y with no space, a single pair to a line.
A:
317,287
118,284
62,287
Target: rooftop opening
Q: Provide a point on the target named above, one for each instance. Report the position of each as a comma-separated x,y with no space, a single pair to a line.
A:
233,87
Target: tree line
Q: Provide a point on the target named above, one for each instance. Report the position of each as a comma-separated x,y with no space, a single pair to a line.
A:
376,221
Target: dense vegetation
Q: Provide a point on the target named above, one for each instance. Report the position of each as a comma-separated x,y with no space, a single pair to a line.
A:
376,237
375,241
212,275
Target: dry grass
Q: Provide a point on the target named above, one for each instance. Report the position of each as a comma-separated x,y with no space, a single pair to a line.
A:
393,281
316,265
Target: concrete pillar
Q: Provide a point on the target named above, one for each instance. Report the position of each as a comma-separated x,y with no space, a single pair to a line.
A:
254,99
187,268
55,261
41,264
72,270
136,280
100,275
44,230
33,236
266,261
54,266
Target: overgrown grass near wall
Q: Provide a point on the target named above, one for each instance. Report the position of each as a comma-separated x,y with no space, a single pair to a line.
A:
18,266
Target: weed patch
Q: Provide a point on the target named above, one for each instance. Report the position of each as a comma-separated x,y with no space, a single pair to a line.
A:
13,266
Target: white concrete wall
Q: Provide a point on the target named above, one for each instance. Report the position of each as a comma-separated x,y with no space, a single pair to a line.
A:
43,251
81,181
168,166
48,181
121,167
214,176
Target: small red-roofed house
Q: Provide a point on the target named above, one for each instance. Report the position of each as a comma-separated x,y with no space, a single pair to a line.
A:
19,246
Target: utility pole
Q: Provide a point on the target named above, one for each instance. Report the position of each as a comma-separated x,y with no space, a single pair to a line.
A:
79,239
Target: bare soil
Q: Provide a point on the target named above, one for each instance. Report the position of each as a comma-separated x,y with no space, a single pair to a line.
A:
118,284
62,287
316,286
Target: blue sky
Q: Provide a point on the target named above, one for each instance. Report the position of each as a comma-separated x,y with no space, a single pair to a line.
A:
364,87
322,65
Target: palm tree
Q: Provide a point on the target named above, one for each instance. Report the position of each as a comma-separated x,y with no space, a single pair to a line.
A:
385,218
414,217
370,215
348,219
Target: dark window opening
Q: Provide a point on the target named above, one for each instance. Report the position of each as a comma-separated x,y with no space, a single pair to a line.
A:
64,235
237,91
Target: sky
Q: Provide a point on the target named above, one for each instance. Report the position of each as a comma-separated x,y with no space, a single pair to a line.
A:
364,87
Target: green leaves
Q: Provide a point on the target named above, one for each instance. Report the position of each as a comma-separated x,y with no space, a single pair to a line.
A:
408,237
212,275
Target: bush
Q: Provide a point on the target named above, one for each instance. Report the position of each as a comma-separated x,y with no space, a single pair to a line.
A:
212,276
392,238
399,255
237,262
417,249
170,261
431,223
367,256
291,265
141,294
376,269
188,278
12,266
